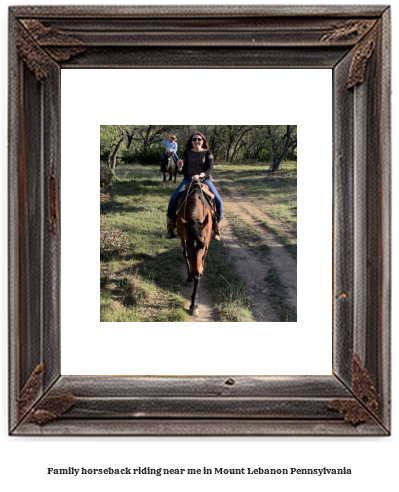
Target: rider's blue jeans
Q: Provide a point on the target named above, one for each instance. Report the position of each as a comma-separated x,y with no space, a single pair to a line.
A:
180,190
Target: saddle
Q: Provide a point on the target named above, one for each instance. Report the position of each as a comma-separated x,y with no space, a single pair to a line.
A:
205,189
190,188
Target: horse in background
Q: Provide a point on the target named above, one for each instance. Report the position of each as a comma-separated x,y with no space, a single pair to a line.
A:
171,169
194,227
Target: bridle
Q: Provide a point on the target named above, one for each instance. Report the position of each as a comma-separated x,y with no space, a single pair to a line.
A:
169,167
203,256
188,194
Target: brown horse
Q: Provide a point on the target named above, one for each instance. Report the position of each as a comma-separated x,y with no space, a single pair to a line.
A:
171,169
194,226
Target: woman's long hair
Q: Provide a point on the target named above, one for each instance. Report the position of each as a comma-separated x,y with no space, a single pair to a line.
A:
189,144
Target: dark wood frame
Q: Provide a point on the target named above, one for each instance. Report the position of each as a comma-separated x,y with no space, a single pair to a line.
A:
353,41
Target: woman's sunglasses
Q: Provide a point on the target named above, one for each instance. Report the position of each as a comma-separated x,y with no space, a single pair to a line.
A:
196,140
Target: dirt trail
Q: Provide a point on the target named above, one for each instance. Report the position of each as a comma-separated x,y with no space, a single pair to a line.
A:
279,258
207,311
252,268
253,272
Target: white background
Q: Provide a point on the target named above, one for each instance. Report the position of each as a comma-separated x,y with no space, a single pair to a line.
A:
24,460
133,97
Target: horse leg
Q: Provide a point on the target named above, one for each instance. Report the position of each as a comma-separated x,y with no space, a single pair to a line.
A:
194,298
170,179
189,277
164,179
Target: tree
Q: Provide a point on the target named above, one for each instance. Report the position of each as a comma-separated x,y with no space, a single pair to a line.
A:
233,141
111,139
151,134
228,143
280,142
293,142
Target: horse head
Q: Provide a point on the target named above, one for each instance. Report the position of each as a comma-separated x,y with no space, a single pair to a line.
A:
171,165
197,239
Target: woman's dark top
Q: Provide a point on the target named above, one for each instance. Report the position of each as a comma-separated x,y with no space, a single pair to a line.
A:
196,163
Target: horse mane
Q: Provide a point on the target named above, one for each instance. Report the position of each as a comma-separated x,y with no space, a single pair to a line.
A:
194,224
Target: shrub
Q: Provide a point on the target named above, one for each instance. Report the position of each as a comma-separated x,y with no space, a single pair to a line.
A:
113,241
127,156
149,156
134,293
106,177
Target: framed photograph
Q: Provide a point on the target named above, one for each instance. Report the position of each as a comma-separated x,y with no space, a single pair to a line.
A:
353,42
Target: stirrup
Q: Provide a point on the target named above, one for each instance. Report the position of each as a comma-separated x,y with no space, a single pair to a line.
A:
216,235
216,231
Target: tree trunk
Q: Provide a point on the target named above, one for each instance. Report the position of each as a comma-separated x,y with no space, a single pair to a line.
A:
112,157
239,144
277,160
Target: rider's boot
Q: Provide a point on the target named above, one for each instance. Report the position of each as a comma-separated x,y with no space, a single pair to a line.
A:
171,226
216,230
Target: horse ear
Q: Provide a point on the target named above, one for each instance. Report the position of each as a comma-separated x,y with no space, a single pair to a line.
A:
184,221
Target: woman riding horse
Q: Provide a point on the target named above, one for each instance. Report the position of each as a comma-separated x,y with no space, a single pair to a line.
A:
170,146
194,227
197,164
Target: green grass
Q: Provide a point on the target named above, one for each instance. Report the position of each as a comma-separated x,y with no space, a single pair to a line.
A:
242,230
112,310
247,234
278,297
141,269
286,241
275,194
226,286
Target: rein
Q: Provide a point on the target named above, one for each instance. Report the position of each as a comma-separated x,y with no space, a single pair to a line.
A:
203,201
187,197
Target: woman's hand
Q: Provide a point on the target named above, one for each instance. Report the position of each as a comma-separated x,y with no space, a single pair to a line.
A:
197,177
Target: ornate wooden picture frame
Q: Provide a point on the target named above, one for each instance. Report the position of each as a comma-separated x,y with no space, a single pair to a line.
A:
353,42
